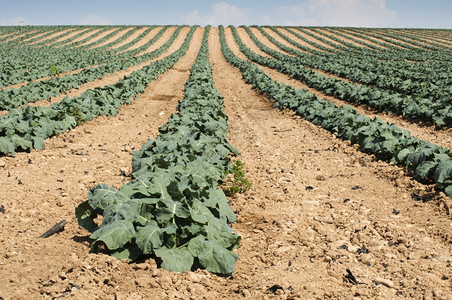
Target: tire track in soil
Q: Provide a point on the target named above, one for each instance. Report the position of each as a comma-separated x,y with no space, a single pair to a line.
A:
318,207
55,180
441,137
115,77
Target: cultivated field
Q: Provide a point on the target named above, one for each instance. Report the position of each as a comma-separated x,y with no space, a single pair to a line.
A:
344,133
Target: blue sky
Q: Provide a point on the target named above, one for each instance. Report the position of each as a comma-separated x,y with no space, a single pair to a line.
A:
361,13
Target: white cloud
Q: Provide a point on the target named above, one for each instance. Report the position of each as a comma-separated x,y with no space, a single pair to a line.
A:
358,13
15,21
221,13
94,19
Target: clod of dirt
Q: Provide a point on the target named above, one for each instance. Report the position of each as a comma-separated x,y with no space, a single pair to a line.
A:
356,188
386,282
362,250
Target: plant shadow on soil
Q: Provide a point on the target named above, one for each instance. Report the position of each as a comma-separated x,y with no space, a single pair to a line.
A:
82,239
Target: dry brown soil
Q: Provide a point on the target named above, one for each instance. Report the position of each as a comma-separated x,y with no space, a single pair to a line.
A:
322,221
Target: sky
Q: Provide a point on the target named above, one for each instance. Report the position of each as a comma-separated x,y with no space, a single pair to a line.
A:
356,13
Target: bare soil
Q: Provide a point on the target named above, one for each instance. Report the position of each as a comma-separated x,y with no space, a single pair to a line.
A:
322,221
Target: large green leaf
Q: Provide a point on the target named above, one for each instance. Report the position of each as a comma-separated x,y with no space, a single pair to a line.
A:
149,237
218,200
6,145
215,258
101,195
448,190
85,215
443,171
425,169
199,212
128,210
115,235
175,260
169,209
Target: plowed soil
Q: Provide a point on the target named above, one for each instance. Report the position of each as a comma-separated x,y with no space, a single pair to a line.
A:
322,220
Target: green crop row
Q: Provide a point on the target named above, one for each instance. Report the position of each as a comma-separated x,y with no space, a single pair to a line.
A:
171,209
